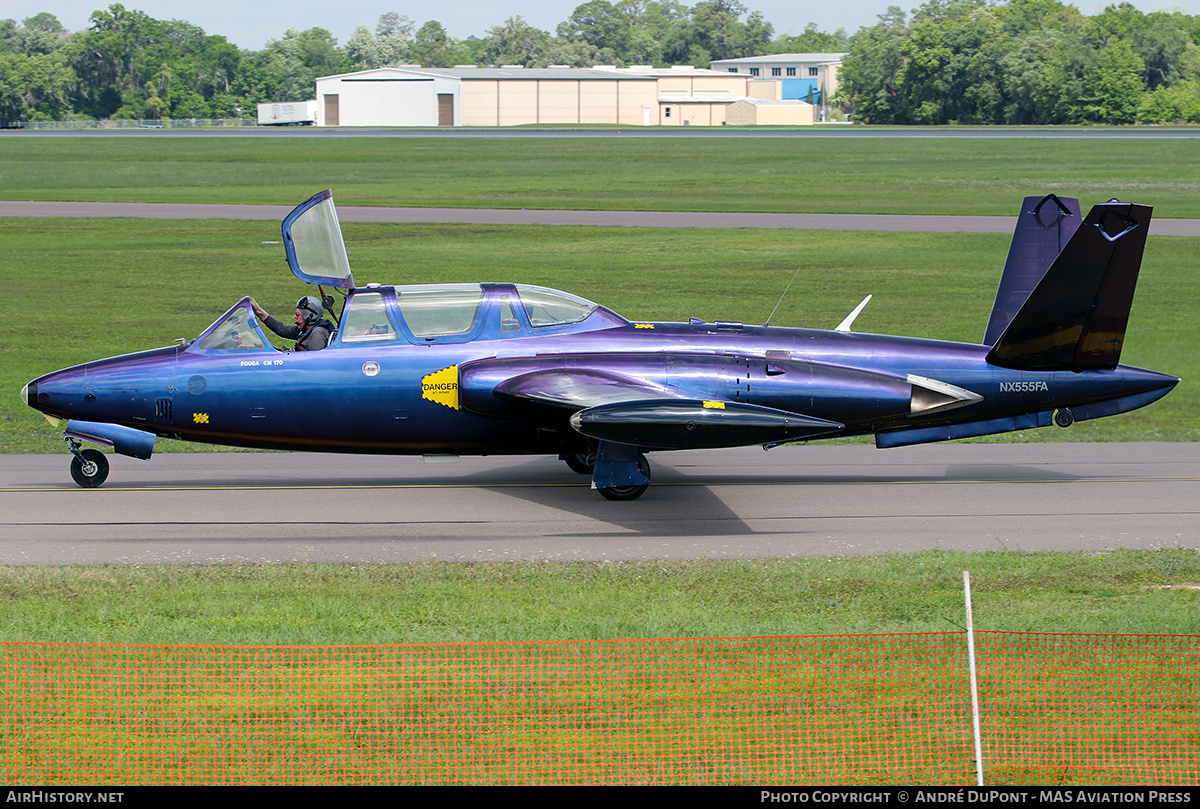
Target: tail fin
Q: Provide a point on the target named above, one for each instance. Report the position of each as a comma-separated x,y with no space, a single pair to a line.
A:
1075,318
1044,227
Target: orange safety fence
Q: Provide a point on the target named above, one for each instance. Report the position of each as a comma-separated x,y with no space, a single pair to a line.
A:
860,709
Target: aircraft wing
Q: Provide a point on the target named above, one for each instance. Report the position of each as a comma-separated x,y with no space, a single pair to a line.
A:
579,388
631,399
552,387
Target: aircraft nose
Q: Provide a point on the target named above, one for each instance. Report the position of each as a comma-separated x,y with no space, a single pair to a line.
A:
58,392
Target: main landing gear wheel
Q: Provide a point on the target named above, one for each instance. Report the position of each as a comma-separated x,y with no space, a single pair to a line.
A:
1064,417
629,492
89,468
582,462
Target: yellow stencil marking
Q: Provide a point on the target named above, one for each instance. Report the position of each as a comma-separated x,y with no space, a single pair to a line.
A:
200,418
715,405
441,387
643,325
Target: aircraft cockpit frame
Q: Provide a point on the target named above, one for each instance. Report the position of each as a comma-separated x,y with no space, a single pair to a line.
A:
430,314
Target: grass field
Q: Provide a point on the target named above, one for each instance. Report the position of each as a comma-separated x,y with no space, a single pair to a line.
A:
969,176
1145,592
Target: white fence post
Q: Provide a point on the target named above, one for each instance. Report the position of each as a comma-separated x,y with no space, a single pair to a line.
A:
974,680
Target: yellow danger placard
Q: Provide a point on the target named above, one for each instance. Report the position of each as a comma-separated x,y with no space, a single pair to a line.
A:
441,387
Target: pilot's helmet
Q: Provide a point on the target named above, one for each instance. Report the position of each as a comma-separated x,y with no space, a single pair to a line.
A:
310,309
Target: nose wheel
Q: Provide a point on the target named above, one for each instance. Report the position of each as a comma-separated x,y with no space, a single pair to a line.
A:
89,467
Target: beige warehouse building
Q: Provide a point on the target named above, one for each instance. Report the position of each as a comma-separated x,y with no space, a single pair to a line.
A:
516,96
769,112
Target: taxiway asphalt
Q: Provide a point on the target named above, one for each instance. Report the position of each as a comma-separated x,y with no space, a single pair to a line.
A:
209,508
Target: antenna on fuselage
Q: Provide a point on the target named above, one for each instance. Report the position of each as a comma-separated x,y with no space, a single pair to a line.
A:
849,321
781,297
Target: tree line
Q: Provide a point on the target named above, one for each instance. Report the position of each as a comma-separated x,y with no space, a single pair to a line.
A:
127,64
1023,62
956,61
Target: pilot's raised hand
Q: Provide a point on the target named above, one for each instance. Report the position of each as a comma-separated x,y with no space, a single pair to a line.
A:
258,310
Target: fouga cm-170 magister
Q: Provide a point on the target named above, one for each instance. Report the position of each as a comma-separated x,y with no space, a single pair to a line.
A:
492,368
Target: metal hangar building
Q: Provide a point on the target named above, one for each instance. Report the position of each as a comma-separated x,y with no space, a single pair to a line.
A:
410,95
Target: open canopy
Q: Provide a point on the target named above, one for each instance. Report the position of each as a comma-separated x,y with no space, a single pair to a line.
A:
312,237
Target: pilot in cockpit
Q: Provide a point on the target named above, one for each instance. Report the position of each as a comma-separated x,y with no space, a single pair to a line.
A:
311,333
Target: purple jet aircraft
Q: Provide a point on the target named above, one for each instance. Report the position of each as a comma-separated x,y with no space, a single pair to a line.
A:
494,368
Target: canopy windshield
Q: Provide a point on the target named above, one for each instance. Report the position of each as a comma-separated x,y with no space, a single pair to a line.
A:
236,329
312,238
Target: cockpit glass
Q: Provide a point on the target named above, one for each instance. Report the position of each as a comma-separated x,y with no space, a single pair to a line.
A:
508,316
549,307
313,239
440,312
366,320
236,330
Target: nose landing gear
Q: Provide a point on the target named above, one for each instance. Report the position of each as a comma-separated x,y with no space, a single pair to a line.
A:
89,467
